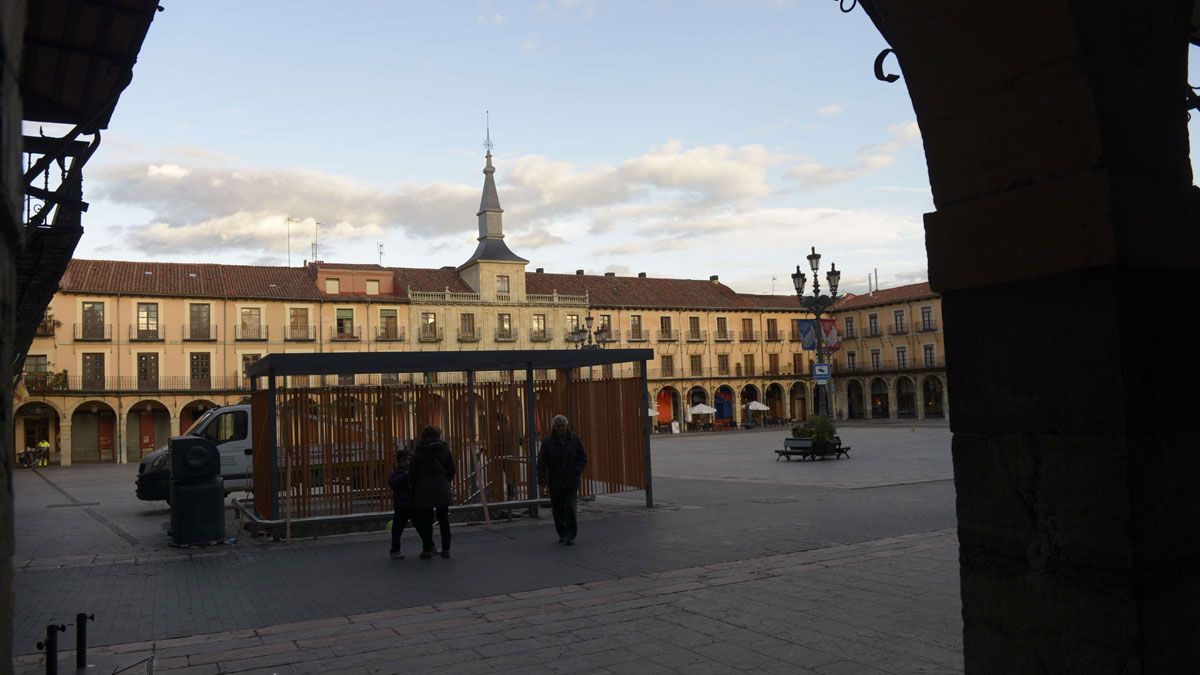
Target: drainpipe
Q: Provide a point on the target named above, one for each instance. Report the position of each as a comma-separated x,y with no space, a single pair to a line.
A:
118,440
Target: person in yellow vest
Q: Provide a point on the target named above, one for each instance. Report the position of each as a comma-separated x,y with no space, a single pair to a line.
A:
43,447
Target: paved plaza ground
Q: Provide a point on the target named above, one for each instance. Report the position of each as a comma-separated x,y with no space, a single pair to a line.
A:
833,566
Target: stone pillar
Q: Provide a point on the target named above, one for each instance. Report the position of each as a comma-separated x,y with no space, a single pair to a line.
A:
64,444
893,399
1065,238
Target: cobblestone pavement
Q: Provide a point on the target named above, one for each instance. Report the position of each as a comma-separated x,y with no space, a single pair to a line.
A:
800,567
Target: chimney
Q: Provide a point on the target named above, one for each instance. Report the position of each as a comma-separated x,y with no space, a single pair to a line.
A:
579,273
610,274
641,275
540,270
714,278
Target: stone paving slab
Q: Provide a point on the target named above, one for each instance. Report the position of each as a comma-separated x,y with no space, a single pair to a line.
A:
816,611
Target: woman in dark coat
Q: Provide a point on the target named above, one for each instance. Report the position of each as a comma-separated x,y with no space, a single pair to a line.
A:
431,471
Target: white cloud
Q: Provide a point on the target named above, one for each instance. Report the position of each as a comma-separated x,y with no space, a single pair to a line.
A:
529,44
494,19
832,109
867,160
675,208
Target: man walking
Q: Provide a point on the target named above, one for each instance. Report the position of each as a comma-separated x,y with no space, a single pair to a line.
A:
561,462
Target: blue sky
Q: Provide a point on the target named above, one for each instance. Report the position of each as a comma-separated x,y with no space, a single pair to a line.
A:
681,139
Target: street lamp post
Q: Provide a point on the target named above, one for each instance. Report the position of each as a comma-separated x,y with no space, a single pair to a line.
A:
817,303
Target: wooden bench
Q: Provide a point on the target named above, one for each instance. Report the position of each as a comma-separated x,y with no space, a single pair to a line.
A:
804,449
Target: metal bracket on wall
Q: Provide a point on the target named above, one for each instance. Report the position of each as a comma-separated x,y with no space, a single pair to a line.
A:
879,74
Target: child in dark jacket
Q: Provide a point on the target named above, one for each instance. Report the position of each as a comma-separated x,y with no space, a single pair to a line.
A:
401,500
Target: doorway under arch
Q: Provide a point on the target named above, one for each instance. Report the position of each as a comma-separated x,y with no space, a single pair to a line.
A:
774,401
931,394
879,398
35,422
147,426
93,433
854,400
906,398
799,401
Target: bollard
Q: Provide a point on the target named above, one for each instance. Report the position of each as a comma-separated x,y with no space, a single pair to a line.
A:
51,647
81,620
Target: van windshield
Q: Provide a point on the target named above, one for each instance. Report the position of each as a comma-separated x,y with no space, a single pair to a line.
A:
194,430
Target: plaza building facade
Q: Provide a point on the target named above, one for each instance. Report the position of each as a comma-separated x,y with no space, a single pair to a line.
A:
131,353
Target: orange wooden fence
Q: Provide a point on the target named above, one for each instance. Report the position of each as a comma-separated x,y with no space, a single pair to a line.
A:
336,445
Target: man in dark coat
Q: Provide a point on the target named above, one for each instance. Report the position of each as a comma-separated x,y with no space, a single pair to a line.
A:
561,462
431,473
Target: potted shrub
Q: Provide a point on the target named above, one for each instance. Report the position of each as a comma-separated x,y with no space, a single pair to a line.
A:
820,429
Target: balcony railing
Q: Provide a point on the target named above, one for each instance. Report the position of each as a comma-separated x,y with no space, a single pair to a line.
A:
300,333
774,336
607,335
850,334
638,335
45,328
556,299
885,365
503,297
668,335
98,332
469,334
575,335
147,334
251,333
429,334
873,332
48,382
388,333
696,336
749,336
794,336
345,333
723,336
199,332
541,335
898,329
928,326
506,335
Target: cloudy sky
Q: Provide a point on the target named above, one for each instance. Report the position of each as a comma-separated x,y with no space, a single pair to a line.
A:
681,139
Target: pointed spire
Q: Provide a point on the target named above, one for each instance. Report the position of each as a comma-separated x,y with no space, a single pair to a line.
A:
490,203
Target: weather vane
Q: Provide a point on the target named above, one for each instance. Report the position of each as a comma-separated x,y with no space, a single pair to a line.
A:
487,141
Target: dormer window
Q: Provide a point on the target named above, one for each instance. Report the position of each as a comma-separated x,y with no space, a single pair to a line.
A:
372,287
333,286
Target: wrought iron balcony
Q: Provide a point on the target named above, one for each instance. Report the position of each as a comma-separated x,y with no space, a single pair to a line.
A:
696,336
929,326
506,335
668,335
45,328
429,334
638,335
605,334
898,329
250,333
469,334
541,335
873,332
345,333
723,336
774,336
850,334
40,383
147,333
794,336
387,333
299,333
575,335
199,332
97,332
749,336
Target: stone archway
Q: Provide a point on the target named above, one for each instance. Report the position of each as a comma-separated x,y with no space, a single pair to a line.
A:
855,409
906,397
93,433
36,422
723,401
880,403
799,401
191,412
748,394
774,400
147,426
1073,142
931,396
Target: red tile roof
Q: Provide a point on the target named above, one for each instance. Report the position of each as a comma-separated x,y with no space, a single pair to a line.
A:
886,296
426,279
640,292
195,280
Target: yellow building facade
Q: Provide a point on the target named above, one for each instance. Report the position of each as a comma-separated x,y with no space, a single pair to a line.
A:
131,353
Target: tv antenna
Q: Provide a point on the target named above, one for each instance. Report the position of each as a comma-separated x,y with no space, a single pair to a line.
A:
379,248
316,245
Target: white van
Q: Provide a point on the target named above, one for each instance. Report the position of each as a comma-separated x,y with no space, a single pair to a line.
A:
229,428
